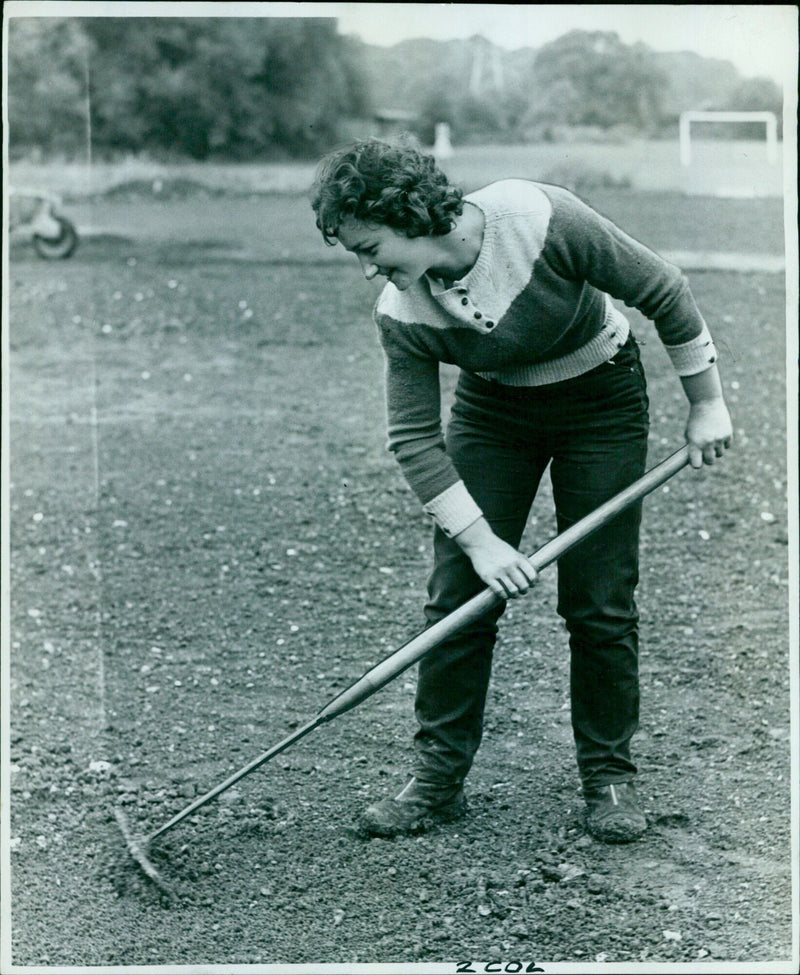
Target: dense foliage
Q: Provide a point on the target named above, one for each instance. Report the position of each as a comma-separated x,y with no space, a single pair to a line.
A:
238,88
594,79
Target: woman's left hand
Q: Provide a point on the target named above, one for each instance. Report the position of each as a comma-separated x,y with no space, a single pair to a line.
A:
709,431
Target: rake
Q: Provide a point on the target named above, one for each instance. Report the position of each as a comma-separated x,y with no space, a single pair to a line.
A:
401,659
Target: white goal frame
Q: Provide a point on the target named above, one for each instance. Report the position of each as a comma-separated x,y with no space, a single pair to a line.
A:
768,118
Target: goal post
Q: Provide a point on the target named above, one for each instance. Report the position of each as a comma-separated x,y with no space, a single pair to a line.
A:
768,118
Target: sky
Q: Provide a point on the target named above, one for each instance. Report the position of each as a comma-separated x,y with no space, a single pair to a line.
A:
759,39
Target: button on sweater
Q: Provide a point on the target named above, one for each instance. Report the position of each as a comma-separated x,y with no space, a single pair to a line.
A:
534,309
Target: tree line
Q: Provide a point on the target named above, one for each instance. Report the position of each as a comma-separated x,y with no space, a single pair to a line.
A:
589,82
261,88
228,87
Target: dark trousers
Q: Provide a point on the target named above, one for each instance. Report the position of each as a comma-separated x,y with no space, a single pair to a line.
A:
592,430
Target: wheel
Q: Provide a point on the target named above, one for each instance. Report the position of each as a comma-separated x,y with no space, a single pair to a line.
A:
55,248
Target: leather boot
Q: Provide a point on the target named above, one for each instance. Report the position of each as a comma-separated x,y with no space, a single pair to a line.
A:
414,810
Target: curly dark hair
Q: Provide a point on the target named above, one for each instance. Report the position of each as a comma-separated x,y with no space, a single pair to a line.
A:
384,183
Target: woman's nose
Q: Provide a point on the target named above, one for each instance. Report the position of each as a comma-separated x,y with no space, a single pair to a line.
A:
368,268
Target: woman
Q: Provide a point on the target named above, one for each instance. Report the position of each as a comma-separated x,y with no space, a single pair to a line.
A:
513,283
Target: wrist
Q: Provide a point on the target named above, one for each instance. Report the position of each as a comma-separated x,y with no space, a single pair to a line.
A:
703,387
712,402
474,535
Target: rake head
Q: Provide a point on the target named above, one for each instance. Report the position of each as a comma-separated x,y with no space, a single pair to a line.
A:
137,852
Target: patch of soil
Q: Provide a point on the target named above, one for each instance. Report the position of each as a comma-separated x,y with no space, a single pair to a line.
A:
208,541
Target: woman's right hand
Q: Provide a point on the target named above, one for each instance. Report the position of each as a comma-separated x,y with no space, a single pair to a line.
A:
507,572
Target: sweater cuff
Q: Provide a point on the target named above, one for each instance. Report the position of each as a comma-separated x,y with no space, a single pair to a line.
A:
454,509
694,356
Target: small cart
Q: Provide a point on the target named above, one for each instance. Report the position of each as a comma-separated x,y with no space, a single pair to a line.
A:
35,215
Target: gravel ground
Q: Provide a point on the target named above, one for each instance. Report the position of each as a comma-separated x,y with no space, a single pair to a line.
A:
208,541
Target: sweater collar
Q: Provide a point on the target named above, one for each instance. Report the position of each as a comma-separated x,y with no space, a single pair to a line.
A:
480,270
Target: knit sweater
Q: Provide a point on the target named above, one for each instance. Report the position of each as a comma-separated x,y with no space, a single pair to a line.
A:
535,308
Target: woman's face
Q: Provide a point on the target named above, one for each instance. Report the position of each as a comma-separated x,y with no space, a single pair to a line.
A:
388,252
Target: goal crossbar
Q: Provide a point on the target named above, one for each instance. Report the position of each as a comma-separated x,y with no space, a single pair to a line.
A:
768,118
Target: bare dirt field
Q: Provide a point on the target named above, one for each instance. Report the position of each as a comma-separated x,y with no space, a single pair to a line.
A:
208,541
